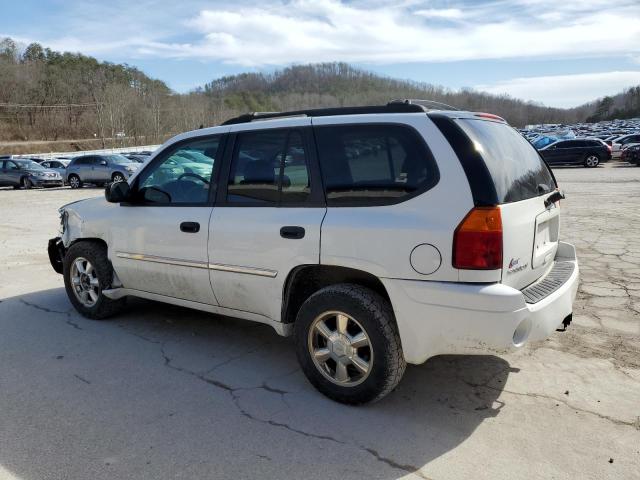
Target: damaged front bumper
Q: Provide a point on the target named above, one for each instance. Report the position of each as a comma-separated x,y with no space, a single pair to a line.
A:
56,254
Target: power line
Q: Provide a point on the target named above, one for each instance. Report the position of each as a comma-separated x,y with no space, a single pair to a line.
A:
57,105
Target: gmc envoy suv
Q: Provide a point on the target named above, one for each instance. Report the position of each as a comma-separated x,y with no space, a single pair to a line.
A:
375,236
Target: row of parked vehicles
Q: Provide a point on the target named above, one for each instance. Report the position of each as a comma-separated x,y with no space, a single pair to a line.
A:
588,144
97,169
557,144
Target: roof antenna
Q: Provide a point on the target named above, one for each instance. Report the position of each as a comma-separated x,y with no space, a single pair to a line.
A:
431,104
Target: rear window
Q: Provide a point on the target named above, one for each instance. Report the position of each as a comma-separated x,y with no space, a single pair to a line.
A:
373,164
117,159
517,170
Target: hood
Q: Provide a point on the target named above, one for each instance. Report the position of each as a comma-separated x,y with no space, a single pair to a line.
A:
86,202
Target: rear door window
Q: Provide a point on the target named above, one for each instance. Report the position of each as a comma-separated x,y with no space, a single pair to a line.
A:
373,164
515,166
269,167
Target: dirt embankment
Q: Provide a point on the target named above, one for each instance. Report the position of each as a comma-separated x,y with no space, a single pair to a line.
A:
52,146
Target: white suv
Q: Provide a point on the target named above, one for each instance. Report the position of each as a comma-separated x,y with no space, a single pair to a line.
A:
376,236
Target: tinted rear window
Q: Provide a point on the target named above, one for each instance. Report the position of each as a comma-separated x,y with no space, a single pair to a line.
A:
373,164
517,170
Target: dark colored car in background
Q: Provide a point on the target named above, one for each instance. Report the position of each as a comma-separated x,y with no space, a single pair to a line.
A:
24,173
589,152
631,154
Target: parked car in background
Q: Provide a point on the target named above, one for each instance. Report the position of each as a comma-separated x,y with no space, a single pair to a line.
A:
631,154
589,152
620,142
99,169
610,138
59,166
25,173
338,226
134,157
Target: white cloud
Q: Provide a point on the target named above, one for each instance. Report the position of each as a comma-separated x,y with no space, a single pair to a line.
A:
324,30
565,90
383,31
444,13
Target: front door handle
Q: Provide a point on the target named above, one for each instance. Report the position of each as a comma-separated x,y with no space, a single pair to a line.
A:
190,227
294,233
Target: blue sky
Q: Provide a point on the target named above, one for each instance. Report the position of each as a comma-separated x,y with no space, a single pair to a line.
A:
560,53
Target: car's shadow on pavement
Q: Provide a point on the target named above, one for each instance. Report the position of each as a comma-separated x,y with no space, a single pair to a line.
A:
177,388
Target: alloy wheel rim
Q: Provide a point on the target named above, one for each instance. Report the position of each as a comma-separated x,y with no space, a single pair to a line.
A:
73,181
118,178
84,281
340,348
592,161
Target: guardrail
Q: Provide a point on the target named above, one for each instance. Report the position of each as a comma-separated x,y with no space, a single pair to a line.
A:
51,155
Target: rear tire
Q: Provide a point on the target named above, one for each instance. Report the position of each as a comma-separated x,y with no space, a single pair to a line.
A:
74,181
592,160
364,361
87,272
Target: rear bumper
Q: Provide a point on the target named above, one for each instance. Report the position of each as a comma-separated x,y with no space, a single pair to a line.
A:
437,318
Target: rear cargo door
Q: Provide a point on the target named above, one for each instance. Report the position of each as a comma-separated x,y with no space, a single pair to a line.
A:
522,184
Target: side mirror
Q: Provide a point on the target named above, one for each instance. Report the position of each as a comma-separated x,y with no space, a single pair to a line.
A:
117,192
103,162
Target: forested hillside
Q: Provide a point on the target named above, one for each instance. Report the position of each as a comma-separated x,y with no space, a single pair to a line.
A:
339,84
49,95
623,105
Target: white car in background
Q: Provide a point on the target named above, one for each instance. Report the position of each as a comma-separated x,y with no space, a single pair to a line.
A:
376,236
619,143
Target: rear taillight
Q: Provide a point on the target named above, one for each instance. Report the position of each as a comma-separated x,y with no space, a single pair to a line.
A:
477,242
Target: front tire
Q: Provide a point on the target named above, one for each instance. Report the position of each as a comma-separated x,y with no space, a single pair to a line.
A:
87,272
26,183
348,345
118,177
74,181
592,160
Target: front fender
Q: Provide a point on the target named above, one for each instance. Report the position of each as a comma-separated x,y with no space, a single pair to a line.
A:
86,219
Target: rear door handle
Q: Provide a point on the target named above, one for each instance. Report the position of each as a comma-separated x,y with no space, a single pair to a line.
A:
190,227
294,233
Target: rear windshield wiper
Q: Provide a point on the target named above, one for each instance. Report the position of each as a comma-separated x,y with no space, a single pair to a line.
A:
553,198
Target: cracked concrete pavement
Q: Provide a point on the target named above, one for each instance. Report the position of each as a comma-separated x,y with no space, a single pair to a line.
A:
165,392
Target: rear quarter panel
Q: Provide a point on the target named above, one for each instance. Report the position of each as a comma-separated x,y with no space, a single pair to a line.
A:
380,239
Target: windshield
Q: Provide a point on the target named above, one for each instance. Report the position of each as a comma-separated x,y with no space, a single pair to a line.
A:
118,159
515,166
29,165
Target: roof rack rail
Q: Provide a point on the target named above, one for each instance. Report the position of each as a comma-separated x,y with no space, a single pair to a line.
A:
429,104
391,107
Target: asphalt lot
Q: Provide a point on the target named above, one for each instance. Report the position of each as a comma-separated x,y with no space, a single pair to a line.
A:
165,392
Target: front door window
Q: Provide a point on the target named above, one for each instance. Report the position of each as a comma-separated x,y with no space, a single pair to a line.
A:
182,176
